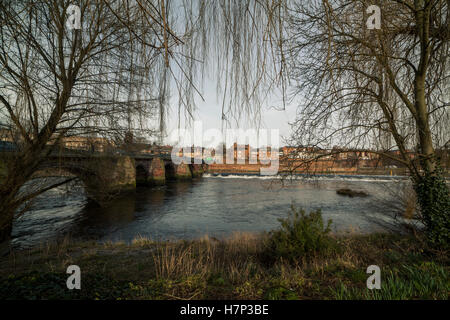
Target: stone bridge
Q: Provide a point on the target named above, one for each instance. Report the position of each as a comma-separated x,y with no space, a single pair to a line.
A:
105,176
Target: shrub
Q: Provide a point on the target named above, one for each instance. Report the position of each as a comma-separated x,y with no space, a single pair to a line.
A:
300,235
434,202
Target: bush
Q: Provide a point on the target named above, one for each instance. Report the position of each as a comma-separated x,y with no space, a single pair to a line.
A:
300,235
434,202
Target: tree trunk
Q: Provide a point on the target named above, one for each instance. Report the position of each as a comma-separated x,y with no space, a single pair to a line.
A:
430,186
427,154
19,172
5,232
7,209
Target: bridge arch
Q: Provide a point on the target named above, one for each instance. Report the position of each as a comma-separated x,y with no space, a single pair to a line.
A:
142,175
103,177
150,171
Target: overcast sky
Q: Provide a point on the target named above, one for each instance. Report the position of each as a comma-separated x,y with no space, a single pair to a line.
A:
209,112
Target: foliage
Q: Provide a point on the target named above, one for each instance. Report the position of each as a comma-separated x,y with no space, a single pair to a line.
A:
434,203
300,235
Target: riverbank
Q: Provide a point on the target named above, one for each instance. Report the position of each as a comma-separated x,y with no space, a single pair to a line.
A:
234,268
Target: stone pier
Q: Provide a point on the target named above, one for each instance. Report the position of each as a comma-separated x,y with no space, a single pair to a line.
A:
157,174
106,178
182,171
196,170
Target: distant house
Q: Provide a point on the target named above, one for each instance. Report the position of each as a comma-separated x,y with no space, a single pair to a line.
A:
6,134
301,152
93,144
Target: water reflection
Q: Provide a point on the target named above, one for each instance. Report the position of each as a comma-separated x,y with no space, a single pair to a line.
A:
93,218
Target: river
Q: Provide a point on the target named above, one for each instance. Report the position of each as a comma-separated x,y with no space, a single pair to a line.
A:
213,205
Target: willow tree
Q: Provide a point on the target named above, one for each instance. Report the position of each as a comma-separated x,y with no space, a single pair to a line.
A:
379,82
114,73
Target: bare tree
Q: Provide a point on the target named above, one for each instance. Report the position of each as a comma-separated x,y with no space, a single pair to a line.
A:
115,73
379,89
57,82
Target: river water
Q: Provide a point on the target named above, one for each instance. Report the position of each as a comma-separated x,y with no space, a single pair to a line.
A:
213,205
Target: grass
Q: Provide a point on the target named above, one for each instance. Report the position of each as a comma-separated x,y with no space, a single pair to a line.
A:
234,268
422,281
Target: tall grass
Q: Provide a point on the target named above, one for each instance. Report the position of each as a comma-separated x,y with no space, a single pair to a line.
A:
234,256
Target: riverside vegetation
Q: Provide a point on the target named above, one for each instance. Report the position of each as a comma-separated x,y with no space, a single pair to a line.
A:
301,260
